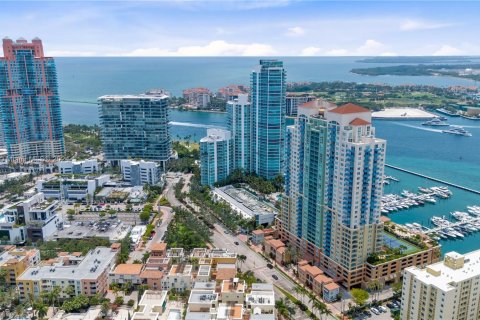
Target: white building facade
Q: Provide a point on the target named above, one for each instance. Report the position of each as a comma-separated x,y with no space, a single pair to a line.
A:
77,167
140,172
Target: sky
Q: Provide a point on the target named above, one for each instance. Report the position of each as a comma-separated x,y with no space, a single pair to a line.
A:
246,28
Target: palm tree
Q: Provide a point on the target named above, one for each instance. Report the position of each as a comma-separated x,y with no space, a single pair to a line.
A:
284,308
301,291
41,308
241,258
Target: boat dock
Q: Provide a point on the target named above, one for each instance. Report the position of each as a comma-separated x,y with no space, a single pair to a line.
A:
452,224
434,179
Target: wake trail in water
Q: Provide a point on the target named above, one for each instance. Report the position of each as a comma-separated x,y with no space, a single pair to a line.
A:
416,127
195,125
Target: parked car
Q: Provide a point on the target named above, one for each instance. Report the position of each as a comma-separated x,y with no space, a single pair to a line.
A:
367,313
269,266
374,310
274,276
391,305
382,309
236,243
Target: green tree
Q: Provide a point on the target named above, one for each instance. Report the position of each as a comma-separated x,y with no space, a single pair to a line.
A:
284,308
105,308
241,258
359,296
40,308
118,301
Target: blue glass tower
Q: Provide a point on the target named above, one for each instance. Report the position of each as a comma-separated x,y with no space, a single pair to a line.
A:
30,105
216,156
268,90
239,123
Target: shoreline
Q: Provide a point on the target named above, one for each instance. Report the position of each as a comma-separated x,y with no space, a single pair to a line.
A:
171,108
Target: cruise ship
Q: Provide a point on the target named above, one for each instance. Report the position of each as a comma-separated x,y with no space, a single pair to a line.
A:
459,131
435,122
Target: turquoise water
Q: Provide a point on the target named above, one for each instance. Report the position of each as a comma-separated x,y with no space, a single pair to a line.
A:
409,145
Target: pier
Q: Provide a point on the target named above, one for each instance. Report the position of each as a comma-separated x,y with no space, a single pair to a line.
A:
434,179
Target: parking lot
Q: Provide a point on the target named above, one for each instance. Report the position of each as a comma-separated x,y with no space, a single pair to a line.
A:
382,313
113,229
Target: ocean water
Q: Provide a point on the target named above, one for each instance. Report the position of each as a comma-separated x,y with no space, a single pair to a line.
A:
409,144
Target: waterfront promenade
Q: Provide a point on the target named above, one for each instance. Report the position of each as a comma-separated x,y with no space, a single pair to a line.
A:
434,179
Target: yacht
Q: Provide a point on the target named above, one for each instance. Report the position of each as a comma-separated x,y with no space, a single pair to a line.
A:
424,190
435,122
459,131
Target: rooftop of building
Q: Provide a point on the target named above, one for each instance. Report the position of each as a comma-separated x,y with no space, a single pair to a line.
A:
151,305
321,278
263,316
233,285
331,286
120,97
221,253
162,246
151,274
8,257
199,285
229,312
197,315
266,298
453,269
198,253
203,297
245,201
349,108
175,253
181,269
312,270
262,287
91,266
275,243
216,135
359,122
204,270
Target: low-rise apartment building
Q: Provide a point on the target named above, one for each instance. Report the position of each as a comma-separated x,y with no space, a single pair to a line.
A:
77,167
72,189
34,218
445,290
232,291
126,273
14,261
89,276
139,173
179,277
151,306
261,300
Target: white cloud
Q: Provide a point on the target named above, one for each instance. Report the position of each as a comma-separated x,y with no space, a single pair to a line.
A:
447,50
214,48
336,52
370,47
412,25
295,32
310,51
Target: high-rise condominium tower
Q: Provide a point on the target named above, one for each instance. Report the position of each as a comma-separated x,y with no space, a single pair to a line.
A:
30,105
135,126
240,125
268,89
216,156
334,176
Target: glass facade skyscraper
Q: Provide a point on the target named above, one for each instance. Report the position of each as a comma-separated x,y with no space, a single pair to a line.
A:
216,156
135,126
239,123
30,105
268,89
331,208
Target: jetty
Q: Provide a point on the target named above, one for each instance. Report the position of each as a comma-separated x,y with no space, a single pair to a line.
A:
434,179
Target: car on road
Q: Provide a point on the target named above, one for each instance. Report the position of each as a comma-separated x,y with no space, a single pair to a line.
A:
367,314
269,266
375,310
274,276
236,243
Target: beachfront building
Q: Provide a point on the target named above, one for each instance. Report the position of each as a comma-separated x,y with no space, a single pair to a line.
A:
135,126
198,98
239,123
332,203
77,167
232,92
88,275
140,172
216,159
268,89
30,104
444,290
293,100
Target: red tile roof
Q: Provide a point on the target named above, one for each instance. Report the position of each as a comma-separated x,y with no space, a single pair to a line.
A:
359,122
349,108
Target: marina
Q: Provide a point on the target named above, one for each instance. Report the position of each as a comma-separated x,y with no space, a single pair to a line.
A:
407,199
